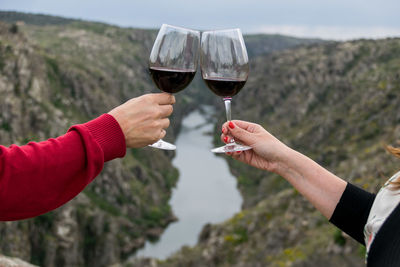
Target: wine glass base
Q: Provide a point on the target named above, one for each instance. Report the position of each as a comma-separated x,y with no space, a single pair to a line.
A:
160,144
233,147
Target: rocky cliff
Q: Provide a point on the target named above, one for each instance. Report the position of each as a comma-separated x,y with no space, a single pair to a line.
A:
56,72
14,262
52,77
338,103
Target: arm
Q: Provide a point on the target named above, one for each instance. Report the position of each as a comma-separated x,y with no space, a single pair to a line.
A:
345,205
40,177
352,211
322,188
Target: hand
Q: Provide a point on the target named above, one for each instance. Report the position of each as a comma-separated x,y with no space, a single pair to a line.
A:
322,188
267,152
143,119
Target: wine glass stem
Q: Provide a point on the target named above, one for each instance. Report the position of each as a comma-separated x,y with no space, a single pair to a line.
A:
227,101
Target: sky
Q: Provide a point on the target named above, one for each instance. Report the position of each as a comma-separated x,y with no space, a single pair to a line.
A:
327,19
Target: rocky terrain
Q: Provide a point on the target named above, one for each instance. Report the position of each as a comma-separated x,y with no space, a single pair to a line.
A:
50,79
339,104
56,72
13,262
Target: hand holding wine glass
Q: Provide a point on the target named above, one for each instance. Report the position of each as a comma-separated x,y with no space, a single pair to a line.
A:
267,151
225,68
173,62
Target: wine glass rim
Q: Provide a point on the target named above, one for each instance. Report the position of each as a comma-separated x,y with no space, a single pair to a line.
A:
178,27
223,30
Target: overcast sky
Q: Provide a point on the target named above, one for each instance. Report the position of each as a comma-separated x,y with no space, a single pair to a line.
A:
329,19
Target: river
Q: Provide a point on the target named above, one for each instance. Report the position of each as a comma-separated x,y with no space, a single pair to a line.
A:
205,193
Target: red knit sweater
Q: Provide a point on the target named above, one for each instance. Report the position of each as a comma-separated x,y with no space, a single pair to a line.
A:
39,177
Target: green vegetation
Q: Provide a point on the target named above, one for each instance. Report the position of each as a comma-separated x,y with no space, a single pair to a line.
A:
35,19
286,258
2,56
171,177
14,28
46,220
238,236
152,216
338,238
5,126
101,203
97,28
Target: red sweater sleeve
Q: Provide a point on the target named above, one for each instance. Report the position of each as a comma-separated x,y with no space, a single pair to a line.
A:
39,177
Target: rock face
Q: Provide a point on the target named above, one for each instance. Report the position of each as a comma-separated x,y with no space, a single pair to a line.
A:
57,72
338,103
52,77
13,262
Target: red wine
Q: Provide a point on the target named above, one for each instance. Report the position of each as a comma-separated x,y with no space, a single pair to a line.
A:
225,86
170,80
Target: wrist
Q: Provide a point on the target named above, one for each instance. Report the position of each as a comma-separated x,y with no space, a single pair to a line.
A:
109,135
285,163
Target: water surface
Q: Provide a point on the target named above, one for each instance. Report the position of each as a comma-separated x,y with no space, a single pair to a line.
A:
205,193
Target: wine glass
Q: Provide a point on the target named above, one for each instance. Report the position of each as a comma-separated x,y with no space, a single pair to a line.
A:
225,68
173,63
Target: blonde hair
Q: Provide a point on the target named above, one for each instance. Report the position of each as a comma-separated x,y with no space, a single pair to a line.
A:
396,152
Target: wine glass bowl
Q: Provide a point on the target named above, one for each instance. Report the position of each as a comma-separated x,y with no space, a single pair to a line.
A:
173,62
225,68
171,80
224,58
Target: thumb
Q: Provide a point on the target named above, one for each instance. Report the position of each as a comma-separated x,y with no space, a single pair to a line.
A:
239,133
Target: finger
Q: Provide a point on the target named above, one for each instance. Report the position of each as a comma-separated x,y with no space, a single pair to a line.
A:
237,156
164,123
227,139
248,126
240,155
224,130
222,137
166,110
162,134
240,134
164,98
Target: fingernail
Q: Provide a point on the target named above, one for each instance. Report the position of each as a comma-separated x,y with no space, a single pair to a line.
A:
229,153
226,139
238,152
231,125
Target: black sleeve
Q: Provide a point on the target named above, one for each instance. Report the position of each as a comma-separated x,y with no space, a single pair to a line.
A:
351,213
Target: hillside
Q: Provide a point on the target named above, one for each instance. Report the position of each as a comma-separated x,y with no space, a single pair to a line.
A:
263,44
338,103
13,17
50,79
54,73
